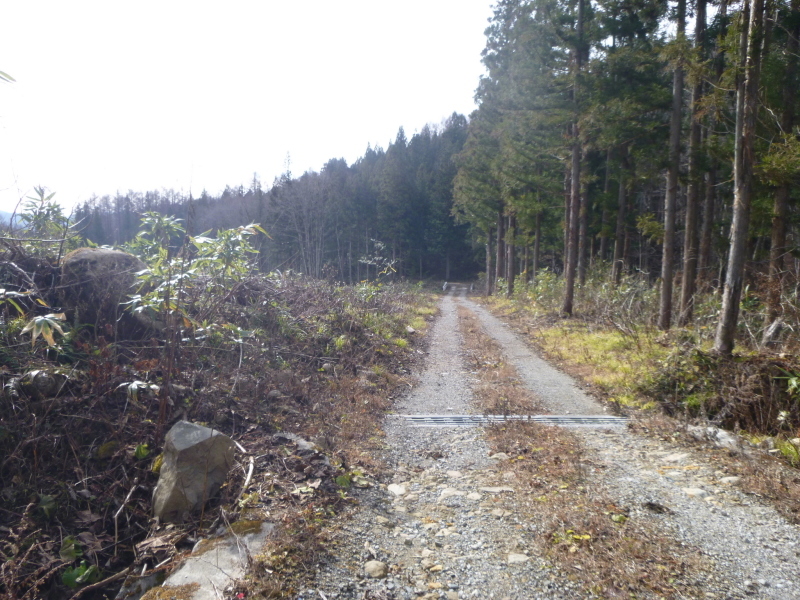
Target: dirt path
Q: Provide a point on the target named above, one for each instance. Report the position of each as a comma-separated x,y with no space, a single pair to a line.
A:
447,525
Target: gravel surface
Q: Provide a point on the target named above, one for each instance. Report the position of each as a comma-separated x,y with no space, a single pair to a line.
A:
755,549
445,526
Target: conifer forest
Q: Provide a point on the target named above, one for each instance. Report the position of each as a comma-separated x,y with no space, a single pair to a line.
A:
649,139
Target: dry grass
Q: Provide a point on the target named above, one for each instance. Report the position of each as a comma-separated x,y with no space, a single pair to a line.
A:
599,544
498,392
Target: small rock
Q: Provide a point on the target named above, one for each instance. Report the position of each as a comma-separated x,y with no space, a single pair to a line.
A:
454,474
446,531
376,569
499,456
473,496
678,457
384,521
302,444
196,463
41,384
695,492
449,492
436,569
718,437
499,512
730,480
514,559
451,595
396,489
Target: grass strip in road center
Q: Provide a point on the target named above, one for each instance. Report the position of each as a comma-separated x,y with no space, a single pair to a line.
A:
596,542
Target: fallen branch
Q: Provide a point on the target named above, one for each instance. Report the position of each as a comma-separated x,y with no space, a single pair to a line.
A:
100,584
246,479
119,512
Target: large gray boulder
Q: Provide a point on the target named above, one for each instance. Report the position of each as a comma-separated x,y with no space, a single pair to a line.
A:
196,463
95,281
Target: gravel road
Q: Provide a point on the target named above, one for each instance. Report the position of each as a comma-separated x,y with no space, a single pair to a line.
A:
445,526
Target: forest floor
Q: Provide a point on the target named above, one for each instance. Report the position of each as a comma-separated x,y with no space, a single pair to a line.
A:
524,510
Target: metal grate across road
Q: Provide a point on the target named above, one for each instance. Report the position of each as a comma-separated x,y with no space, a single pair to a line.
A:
475,420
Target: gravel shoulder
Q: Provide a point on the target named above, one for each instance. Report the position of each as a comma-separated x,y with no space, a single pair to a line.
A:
445,525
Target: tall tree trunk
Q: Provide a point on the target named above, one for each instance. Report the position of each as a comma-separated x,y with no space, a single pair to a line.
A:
604,215
670,199
620,238
780,208
584,244
691,239
707,231
709,201
572,249
567,204
536,247
500,263
575,174
744,159
511,233
526,257
489,262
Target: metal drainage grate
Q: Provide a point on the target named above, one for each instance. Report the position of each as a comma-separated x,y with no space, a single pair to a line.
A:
474,420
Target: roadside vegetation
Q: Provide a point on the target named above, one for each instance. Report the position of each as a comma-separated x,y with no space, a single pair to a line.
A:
86,404
616,347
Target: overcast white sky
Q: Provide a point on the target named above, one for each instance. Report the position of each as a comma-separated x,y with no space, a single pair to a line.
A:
191,94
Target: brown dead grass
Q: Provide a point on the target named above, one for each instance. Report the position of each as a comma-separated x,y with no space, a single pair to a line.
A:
598,543
499,391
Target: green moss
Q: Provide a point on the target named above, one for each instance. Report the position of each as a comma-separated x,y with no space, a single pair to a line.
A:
244,527
107,450
239,528
790,451
176,592
418,323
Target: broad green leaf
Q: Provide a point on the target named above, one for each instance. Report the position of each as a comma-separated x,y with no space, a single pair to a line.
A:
83,574
142,451
90,575
48,505
70,549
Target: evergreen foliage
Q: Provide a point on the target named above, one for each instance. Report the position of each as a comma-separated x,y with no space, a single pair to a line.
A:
390,207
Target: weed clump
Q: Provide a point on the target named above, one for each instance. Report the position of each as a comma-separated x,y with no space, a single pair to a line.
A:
752,392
